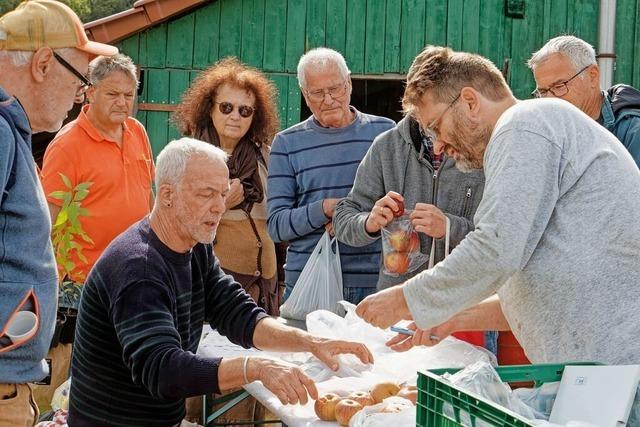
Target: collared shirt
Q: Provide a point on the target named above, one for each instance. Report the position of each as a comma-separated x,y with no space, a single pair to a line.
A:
435,159
121,178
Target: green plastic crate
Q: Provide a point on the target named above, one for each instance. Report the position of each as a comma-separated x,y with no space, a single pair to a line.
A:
434,392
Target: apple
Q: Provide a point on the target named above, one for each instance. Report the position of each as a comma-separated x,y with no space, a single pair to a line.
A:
414,242
400,210
383,390
325,406
399,241
345,409
396,262
362,397
409,393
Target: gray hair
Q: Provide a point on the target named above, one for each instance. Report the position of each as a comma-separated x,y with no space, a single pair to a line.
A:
579,52
172,160
102,66
321,58
21,58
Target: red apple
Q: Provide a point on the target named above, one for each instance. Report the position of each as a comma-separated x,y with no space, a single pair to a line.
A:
414,242
383,390
400,210
396,262
345,409
399,241
362,397
325,406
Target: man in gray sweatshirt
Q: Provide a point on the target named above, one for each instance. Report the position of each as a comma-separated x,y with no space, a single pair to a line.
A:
556,234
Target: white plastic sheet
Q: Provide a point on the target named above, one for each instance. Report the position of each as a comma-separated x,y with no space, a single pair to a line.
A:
353,375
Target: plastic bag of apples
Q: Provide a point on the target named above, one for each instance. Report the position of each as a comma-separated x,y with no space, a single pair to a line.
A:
401,247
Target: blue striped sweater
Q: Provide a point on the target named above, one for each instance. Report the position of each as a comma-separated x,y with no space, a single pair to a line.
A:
310,163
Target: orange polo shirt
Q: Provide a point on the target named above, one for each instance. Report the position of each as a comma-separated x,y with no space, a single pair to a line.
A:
121,189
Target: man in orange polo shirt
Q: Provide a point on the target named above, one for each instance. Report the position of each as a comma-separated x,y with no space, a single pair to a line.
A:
110,149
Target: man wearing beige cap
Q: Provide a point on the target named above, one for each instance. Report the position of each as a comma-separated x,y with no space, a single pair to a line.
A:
44,54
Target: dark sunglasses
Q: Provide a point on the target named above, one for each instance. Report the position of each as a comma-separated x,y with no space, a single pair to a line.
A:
85,82
227,108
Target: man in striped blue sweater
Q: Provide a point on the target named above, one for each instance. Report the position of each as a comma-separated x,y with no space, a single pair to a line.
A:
313,165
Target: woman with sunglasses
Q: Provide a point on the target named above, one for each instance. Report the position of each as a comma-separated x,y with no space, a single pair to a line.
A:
233,107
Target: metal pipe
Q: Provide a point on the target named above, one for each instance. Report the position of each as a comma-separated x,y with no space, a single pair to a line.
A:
606,42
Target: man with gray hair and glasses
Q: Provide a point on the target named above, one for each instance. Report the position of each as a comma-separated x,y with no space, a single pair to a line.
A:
566,68
146,300
108,148
313,165
44,53
556,233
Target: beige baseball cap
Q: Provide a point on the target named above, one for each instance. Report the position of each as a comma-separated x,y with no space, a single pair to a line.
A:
39,23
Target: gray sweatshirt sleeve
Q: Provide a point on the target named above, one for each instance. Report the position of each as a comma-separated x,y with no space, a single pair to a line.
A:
351,212
522,174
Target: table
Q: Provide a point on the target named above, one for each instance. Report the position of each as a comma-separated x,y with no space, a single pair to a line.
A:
214,344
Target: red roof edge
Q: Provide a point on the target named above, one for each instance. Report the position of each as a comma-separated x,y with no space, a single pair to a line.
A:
144,14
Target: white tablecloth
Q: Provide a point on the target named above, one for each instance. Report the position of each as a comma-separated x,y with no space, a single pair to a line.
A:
352,376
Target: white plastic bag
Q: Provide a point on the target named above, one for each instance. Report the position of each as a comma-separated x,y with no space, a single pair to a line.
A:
319,286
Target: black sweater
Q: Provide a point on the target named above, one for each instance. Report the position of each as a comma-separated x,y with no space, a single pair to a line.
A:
138,329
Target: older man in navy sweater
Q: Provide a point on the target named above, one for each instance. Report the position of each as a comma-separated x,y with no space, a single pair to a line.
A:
313,165
147,297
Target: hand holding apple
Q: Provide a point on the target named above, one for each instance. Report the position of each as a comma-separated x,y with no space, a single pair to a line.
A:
383,212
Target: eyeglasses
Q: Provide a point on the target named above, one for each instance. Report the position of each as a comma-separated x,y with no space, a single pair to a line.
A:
334,92
431,130
227,108
85,82
559,89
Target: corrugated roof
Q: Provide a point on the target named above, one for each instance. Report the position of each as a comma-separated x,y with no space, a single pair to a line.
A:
144,14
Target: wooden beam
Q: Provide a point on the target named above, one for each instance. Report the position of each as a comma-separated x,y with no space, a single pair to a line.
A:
148,106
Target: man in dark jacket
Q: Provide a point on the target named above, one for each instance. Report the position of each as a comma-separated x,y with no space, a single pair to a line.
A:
565,67
147,297
44,54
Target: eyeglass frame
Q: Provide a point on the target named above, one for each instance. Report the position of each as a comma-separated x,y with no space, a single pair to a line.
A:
83,79
314,95
428,130
233,107
536,93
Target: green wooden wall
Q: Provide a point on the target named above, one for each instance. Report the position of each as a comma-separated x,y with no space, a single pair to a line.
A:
376,37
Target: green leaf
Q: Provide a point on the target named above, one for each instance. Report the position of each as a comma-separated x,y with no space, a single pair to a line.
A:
67,181
63,216
57,194
83,186
80,195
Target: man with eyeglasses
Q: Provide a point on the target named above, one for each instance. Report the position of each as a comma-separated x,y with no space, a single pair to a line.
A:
108,148
565,67
313,165
556,234
402,169
40,41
